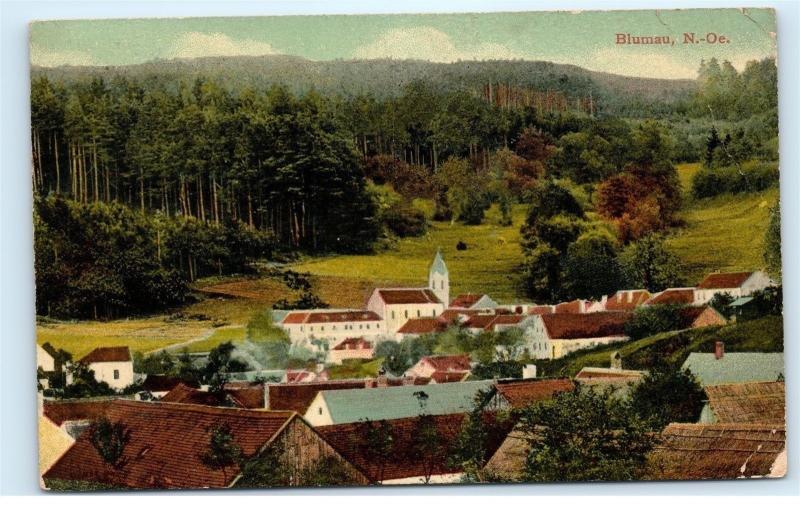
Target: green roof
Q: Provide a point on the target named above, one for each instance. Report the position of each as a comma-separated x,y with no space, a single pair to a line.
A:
438,265
353,405
735,367
741,301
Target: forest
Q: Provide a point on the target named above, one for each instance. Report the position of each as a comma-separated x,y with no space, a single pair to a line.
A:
201,175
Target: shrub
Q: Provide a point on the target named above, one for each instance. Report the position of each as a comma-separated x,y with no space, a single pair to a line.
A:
404,220
748,177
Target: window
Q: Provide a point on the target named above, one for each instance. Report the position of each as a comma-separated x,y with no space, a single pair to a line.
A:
360,327
406,313
367,327
311,328
319,410
418,313
116,374
392,314
434,285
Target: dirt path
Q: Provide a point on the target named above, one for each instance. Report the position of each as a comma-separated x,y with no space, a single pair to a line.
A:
183,344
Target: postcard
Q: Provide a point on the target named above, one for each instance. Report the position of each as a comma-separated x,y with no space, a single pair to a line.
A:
469,248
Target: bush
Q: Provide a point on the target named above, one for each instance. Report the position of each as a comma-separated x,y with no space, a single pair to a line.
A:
749,177
647,321
404,220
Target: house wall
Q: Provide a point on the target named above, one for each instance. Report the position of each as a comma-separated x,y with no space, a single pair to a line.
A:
421,369
303,448
756,282
335,331
397,315
318,413
440,285
708,318
337,356
539,345
562,347
104,371
44,360
434,479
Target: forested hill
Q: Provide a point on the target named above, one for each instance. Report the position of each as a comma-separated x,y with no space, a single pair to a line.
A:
608,93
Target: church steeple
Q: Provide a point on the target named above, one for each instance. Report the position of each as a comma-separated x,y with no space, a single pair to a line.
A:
439,279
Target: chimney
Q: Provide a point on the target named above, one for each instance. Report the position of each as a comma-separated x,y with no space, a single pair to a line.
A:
529,371
719,350
616,360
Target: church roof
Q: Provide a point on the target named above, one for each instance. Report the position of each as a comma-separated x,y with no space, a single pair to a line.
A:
438,265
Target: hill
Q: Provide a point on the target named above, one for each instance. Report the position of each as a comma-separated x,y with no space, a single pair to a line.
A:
759,335
381,78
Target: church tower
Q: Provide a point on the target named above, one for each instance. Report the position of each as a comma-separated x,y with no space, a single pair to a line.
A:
439,279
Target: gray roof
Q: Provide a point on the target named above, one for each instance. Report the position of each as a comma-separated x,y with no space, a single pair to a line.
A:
438,265
741,301
735,367
353,405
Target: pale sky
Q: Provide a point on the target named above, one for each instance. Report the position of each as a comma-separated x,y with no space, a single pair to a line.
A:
585,39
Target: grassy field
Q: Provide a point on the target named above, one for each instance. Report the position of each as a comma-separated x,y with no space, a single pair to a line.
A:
686,172
143,334
488,265
761,335
724,233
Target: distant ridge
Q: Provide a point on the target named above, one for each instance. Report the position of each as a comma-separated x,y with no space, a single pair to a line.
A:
384,78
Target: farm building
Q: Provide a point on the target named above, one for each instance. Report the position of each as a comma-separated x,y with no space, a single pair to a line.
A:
332,324
719,451
159,457
737,284
111,365
379,403
745,403
510,394
626,300
551,336
701,316
673,296
415,327
297,396
473,301
351,348
720,368
404,463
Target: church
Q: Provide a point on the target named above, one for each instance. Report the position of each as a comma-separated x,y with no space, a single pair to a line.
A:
386,311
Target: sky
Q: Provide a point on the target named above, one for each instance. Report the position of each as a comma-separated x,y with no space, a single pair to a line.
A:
586,39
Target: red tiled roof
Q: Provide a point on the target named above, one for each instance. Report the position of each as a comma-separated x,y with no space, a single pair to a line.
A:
423,326
112,354
297,396
403,461
540,309
606,374
585,326
673,297
481,321
465,301
188,395
520,394
573,307
74,410
627,300
400,296
448,362
353,343
506,319
724,280
330,317
165,442
450,315
449,376
245,394
298,375
161,382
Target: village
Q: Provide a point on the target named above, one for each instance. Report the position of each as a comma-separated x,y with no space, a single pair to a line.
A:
304,427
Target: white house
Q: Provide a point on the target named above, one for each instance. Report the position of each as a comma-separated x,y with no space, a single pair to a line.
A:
333,324
352,348
111,365
737,284
45,359
550,336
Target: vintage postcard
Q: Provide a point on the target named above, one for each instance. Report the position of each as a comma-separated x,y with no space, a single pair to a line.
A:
407,249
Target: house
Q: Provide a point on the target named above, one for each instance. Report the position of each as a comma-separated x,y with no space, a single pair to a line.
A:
189,395
74,415
297,396
403,463
573,307
112,365
720,368
49,363
397,305
157,385
672,296
415,327
351,348
719,451
513,394
170,457
737,284
431,364
301,376
250,395
541,309
53,443
473,301
702,316
608,375
333,325
379,403
627,300
762,402
551,336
